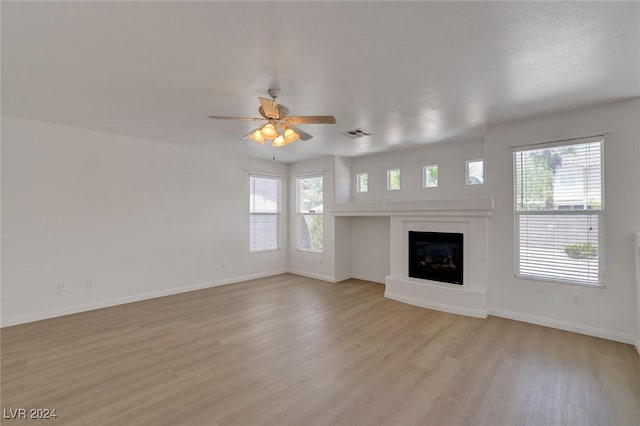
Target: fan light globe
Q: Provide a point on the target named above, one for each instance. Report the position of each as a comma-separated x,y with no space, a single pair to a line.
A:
257,136
290,136
279,141
268,131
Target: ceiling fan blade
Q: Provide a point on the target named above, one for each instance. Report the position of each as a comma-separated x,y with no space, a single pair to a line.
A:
303,135
311,119
222,117
270,108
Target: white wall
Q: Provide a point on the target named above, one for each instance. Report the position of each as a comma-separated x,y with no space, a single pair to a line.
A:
140,218
316,265
609,311
370,257
450,157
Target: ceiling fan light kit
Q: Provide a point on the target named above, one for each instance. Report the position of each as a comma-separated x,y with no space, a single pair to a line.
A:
279,127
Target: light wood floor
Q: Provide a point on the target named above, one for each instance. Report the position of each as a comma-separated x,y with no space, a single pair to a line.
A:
289,350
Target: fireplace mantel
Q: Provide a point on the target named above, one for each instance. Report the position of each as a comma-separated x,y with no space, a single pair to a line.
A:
440,207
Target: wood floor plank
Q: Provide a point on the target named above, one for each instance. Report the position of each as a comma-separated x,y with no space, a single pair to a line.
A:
290,350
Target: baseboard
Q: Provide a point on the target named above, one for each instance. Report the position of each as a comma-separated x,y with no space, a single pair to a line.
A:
478,313
368,278
37,316
337,279
567,326
638,345
321,277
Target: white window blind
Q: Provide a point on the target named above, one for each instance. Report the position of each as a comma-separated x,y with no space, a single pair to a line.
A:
309,202
559,207
264,211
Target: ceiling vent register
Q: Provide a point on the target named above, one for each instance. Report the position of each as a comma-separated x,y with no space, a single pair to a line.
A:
356,133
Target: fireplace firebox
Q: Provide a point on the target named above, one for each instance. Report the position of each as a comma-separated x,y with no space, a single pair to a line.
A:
436,256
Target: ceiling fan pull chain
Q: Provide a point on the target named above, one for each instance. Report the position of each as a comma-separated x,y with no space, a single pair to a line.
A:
274,152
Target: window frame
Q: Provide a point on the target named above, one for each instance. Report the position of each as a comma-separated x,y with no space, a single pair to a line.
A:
258,213
389,179
300,214
358,188
600,213
424,176
466,172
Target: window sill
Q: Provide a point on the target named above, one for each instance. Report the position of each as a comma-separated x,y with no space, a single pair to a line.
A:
557,281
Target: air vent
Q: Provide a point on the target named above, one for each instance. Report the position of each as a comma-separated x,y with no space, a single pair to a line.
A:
356,133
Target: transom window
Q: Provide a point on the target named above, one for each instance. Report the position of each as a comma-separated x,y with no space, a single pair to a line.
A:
430,176
393,180
559,211
475,172
362,182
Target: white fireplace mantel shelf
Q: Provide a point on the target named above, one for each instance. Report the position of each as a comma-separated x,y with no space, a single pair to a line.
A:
441,207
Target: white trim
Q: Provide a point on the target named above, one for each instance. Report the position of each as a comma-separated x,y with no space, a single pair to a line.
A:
343,277
565,325
560,142
320,277
37,316
439,207
368,278
452,309
638,346
309,174
264,174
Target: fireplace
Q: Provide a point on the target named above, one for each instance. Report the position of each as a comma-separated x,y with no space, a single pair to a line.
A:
436,256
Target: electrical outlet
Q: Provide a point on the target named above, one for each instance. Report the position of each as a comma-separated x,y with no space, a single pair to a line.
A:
91,284
62,287
576,300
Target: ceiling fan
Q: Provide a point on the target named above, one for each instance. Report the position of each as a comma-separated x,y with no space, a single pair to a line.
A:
279,126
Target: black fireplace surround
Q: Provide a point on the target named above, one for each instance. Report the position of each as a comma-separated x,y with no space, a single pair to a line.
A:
436,256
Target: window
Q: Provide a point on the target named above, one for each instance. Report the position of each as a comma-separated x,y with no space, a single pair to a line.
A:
309,194
475,172
559,212
264,212
393,179
430,176
362,182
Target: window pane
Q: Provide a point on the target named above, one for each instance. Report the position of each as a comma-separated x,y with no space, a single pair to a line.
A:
559,178
430,176
310,231
264,198
559,247
362,182
393,179
475,172
263,232
264,194
310,194
558,203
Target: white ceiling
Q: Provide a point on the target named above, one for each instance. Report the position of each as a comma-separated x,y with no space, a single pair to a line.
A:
411,73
